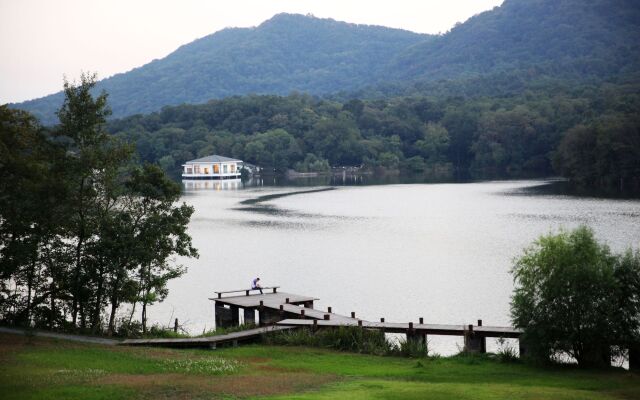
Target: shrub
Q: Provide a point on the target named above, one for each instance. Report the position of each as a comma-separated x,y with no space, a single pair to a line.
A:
352,339
573,297
411,348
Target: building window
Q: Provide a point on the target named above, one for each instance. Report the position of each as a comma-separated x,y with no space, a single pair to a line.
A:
206,170
216,168
188,170
233,168
196,169
224,168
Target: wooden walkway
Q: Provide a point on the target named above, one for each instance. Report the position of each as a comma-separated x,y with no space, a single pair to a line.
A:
287,304
395,327
210,341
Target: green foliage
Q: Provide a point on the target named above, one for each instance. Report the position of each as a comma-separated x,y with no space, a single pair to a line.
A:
312,163
499,137
571,298
506,352
288,53
498,96
411,348
81,227
351,339
511,48
604,153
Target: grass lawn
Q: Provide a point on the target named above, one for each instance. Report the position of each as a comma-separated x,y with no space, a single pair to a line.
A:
38,368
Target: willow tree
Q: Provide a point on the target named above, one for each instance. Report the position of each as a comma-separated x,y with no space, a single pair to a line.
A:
574,297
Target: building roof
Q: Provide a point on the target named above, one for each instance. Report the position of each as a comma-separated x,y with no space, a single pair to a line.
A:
213,159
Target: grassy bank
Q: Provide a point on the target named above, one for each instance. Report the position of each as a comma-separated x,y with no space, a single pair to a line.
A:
37,368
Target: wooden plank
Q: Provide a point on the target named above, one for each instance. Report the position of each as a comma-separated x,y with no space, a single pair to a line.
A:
194,342
313,313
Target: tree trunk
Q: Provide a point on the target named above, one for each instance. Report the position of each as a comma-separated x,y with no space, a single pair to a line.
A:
144,316
112,317
76,278
114,306
29,289
95,319
52,313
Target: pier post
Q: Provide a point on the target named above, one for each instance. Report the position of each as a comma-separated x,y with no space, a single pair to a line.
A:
353,314
414,334
329,310
235,315
308,304
473,342
175,326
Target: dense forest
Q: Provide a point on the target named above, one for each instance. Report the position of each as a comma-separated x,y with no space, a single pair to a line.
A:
530,88
590,134
530,41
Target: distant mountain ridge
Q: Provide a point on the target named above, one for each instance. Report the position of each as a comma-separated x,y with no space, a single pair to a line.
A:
568,39
289,52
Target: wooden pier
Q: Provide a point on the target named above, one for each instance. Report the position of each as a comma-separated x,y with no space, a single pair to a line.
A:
294,311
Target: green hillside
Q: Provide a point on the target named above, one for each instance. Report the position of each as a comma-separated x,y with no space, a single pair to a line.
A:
594,39
507,49
284,54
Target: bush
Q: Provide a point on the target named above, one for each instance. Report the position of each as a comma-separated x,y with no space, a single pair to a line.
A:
574,297
352,339
411,348
506,353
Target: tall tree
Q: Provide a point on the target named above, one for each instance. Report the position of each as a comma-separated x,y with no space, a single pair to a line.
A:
93,166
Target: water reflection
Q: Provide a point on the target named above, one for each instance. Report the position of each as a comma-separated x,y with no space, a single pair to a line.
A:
209,184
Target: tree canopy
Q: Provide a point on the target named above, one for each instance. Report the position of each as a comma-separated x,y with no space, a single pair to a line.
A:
81,226
574,297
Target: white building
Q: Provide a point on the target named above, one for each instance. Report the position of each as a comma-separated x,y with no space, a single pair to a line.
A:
212,167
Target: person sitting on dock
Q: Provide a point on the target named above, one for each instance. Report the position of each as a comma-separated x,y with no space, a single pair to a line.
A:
255,285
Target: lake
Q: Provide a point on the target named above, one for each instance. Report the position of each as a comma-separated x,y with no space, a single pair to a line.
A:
399,251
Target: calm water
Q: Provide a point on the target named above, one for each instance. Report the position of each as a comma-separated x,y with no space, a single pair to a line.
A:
438,251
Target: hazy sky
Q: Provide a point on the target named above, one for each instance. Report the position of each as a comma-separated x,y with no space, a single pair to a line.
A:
41,40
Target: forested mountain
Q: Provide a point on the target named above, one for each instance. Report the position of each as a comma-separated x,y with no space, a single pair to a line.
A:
512,47
284,54
563,38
